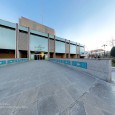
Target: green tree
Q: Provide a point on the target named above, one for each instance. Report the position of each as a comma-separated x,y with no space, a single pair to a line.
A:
113,52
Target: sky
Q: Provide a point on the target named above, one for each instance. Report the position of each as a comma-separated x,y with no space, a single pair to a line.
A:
88,22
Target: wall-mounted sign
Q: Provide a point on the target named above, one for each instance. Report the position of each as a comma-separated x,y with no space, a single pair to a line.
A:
39,48
70,62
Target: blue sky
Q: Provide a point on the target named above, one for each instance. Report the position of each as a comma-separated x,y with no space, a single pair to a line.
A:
89,22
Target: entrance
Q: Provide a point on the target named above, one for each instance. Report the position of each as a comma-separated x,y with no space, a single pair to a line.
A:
40,56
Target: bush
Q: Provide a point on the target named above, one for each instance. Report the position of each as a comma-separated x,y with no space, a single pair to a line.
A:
113,60
112,52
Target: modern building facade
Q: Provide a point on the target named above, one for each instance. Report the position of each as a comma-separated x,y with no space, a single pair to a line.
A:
32,40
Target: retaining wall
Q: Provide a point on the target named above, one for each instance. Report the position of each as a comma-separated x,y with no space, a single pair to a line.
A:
97,68
12,61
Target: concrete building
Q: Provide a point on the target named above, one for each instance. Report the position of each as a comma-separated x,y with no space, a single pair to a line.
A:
32,40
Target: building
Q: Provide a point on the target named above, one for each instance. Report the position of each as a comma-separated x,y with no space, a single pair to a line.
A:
96,53
32,40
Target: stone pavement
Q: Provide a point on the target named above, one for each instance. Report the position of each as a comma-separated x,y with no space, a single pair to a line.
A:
46,88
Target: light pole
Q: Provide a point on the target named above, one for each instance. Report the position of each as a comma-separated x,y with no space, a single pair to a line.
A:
104,45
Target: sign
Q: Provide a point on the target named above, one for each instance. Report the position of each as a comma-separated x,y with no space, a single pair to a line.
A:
79,64
73,63
39,48
2,62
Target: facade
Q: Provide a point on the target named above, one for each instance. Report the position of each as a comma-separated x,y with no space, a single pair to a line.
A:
32,40
35,26
97,53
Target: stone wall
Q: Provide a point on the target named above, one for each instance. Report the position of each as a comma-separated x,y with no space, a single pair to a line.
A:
97,68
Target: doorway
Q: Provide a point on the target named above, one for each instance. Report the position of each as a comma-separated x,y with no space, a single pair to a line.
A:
39,56
36,57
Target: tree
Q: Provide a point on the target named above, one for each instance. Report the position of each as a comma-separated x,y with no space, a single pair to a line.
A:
113,52
112,42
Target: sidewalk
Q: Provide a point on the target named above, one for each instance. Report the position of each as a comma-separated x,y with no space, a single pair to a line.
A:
46,88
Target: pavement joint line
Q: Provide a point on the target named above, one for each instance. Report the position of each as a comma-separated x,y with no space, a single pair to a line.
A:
13,113
39,101
76,101
21,92
14,110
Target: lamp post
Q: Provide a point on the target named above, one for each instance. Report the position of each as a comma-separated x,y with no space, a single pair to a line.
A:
104,45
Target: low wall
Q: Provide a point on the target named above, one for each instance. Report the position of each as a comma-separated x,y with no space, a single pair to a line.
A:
12,61
97,68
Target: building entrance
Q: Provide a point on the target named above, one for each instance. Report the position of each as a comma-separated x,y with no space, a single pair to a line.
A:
39,56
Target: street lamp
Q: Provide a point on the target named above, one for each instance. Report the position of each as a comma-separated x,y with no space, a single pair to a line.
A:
104,45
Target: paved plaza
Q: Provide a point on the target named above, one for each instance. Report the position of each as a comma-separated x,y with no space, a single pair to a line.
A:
46,88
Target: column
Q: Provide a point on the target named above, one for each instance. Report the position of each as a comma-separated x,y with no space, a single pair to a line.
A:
54,55
48,46
17,38
79,51
65,49
76,51
69,50
28,52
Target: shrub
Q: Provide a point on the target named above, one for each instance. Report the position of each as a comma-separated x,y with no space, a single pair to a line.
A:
113,62
113,52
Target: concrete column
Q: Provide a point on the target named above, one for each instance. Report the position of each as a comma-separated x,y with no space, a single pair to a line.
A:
78,56
69,50
17,39
64,55
76,51
28,52
65,49
54,55
48,46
